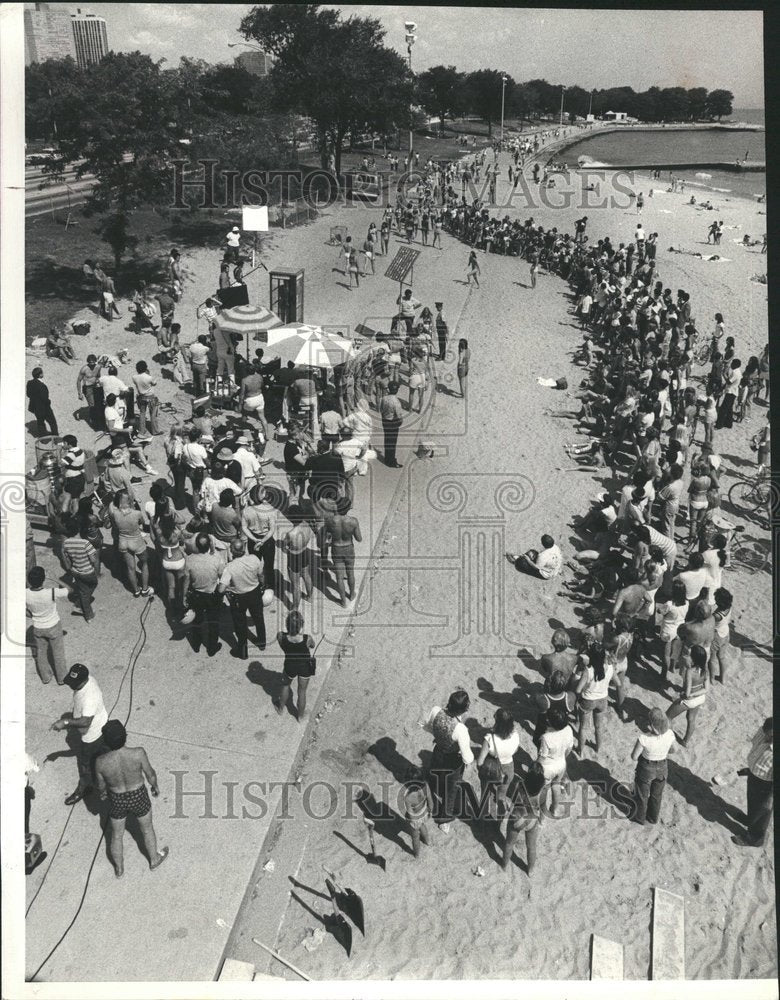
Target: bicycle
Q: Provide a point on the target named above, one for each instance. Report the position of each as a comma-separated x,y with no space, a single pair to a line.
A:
748,553
749,496
701,352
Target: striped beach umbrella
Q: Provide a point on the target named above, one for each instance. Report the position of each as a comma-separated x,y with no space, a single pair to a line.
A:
308,346
247,320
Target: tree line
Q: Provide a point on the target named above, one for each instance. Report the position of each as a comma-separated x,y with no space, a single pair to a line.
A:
445,92
126,117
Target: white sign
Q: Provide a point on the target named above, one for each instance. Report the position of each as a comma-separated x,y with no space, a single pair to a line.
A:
255,218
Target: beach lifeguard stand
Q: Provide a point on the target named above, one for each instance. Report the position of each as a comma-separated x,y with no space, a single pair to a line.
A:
286,295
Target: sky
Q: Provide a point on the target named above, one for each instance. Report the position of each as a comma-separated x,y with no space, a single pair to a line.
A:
592,48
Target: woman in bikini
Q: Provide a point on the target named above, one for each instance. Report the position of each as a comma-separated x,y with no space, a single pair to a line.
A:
167,534
695,684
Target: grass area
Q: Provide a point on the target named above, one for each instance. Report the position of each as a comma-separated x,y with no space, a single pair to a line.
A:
54,256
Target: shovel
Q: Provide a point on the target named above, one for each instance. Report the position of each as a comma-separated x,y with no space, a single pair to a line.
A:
347,900
338,926
372,857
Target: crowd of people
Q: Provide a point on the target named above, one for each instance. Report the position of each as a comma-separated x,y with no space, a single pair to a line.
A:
654,564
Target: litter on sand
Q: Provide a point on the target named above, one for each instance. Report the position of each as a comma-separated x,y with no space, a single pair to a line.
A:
553,383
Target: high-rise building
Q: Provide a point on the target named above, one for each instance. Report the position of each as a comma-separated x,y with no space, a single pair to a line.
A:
47,33
89,35
255,62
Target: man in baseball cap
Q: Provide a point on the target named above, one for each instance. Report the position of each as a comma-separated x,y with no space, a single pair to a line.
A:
87,718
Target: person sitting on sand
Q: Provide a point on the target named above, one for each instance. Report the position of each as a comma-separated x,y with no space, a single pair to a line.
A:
544,564
58,345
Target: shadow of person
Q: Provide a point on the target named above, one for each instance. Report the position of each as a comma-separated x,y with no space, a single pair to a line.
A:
386,753
269,680
698,793
612,791
388,823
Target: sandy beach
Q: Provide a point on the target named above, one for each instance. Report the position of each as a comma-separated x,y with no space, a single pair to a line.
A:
441,607
434,918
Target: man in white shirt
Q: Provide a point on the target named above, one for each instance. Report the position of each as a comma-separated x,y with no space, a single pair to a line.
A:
233,240
47,628
199,362
251,467
544,564
87,718
110,382
695,577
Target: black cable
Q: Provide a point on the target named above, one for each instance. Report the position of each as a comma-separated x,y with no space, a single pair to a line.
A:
130,669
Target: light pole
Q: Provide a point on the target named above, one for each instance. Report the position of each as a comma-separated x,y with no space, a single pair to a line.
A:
590,107
563,91
411,38
503,93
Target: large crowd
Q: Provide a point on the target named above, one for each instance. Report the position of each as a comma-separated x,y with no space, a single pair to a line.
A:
654,565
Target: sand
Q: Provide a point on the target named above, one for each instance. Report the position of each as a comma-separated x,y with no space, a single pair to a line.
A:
434,917
423,627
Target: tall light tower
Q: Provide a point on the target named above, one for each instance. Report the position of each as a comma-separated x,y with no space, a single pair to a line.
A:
503,94
411,38
563,91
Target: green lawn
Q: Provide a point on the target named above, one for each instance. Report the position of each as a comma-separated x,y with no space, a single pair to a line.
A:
54,256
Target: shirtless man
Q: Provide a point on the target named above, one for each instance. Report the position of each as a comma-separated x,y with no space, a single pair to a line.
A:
630,598
120,775
562,658
343,529
297,544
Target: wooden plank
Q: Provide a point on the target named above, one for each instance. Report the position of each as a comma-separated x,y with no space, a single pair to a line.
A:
668,939
234,971
606,958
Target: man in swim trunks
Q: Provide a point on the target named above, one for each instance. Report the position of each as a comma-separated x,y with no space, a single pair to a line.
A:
120,775
343,530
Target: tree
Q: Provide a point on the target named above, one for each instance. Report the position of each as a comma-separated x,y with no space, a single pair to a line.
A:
697,102
483,95
523,101
337,72
674,104
118,120
439,91
719,103
46,86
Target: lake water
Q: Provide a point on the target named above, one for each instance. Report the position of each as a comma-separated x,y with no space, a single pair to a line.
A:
694,146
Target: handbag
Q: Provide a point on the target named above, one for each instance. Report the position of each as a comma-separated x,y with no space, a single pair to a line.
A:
491,772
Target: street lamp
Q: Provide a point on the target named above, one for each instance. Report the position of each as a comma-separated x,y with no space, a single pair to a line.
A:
503,92
411,37
563,91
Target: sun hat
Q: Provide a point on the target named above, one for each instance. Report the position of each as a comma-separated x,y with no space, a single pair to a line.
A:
242,439
117,456
225,455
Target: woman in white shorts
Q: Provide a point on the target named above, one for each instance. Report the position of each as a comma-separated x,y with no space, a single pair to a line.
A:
251,399
556,743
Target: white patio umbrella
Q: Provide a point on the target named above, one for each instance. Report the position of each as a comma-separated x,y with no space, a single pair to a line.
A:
308,346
